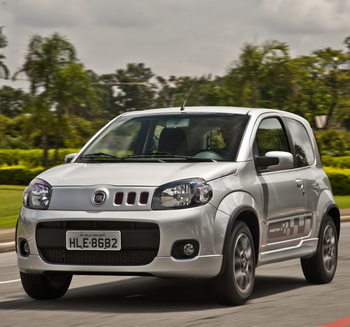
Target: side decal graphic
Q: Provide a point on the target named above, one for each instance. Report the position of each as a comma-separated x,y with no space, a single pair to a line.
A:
289,228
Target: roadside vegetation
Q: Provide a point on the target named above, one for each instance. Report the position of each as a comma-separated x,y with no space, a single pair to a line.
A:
11,196
66,103
11,201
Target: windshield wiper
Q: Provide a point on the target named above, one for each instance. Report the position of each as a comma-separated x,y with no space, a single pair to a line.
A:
166,155
98,155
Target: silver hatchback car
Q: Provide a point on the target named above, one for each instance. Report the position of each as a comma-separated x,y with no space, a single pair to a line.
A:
199,192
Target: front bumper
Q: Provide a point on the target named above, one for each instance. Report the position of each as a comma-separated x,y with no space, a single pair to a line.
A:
172,226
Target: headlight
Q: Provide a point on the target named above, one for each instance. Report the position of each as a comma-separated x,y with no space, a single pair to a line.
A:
182,194
37,195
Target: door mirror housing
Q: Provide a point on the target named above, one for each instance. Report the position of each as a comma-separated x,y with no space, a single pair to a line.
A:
69,157
275,160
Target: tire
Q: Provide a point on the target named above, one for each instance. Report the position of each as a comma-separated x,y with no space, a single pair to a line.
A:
236,282
321,267
46,287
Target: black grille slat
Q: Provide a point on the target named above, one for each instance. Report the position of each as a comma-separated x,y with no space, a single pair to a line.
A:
140,243
117,258
86,224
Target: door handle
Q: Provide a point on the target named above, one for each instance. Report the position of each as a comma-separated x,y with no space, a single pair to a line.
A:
299,183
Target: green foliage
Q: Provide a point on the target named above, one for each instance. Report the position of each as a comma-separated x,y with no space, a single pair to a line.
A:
262,75
12,101
18,175
340,180
336,162
130,88
68,104
4,71
333,142
30,158
45,57
343,201
10,204
59,87
21,132
15,132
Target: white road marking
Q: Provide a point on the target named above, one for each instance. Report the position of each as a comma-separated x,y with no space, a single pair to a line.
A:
10,281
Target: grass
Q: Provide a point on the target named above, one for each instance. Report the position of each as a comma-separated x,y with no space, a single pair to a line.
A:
343,201
11,201
10,204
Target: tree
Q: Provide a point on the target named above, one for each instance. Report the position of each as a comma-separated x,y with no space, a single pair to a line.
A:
258,73
347,43
45,56
104,91
307,88
195,90
58,84
12,101
333,77
4,71
132,88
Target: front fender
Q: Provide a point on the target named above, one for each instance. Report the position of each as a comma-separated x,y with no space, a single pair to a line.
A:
228,210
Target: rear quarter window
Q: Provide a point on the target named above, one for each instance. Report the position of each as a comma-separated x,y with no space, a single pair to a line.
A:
303,149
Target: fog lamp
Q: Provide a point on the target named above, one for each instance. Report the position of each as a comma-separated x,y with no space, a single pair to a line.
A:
24,248
185,249
188,249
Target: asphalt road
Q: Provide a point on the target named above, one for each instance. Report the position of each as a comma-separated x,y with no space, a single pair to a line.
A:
281,297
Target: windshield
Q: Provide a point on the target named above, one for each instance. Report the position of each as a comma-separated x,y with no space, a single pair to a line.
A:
176,137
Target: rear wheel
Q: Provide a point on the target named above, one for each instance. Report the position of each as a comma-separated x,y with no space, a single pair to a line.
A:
321,267
235,285
45,287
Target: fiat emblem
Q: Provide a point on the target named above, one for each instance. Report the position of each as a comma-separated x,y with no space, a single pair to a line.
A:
99,198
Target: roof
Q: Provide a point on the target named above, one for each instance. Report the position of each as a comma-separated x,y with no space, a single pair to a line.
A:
204,109
210,109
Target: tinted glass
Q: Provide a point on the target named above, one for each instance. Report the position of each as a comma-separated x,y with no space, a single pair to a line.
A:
270,137
302,144
200,136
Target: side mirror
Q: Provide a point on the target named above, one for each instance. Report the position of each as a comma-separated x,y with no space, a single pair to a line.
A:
275,160
69,157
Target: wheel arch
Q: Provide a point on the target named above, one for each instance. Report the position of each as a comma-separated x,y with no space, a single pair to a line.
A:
249,216
334,213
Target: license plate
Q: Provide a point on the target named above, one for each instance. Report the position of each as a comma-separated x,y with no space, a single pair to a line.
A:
93,240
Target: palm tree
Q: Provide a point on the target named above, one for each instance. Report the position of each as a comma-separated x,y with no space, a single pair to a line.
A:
255,62
4,71
45,57
59,85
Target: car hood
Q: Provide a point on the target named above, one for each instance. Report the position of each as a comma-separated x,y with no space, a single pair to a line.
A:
134,174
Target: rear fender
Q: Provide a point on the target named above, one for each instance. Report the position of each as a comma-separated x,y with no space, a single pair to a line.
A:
326,206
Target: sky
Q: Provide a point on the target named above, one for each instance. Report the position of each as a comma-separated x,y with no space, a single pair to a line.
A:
172,37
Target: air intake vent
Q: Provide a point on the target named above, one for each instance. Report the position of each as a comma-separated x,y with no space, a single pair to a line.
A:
131,198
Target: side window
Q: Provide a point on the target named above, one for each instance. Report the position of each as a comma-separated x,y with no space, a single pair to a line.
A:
304,153
270,136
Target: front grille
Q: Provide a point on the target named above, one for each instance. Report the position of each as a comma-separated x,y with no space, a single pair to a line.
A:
139,245
115,258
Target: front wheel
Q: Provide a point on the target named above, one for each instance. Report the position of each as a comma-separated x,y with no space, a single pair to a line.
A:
45,287
321,267
235,284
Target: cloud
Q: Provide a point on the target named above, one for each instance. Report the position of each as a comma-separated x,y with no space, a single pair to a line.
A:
306,17
172,37
44,14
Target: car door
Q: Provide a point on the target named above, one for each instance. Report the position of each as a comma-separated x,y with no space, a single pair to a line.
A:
282,190
312,176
